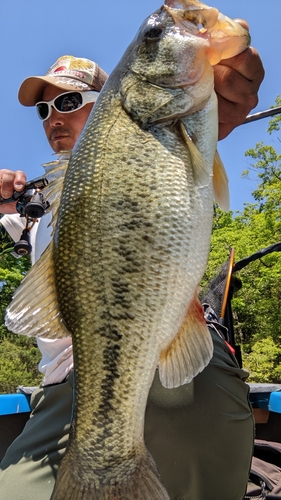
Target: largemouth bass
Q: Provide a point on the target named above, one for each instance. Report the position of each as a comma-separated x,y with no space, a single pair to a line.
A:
132,230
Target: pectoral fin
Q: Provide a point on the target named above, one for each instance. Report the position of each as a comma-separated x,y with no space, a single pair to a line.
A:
190,351
201,172
220,182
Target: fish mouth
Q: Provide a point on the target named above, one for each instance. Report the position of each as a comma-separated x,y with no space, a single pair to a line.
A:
226,37
197,13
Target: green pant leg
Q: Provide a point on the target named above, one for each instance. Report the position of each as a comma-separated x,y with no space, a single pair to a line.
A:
27,472
184,429
201,434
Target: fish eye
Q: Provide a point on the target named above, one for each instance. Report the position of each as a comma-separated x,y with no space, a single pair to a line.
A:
154,33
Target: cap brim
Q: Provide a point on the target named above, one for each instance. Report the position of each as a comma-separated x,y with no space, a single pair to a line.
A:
32,88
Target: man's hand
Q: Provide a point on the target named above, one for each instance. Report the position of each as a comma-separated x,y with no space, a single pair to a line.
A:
9,182
237,81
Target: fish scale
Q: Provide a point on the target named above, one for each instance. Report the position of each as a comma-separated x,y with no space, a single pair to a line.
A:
132,219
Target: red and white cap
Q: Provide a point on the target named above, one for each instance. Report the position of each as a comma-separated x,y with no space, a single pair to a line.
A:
67,73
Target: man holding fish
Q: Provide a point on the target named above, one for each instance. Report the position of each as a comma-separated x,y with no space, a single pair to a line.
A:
201,433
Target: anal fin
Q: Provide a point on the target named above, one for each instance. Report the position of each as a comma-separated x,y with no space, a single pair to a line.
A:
189,352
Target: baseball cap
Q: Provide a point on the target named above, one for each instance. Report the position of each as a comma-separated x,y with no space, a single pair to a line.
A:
67,73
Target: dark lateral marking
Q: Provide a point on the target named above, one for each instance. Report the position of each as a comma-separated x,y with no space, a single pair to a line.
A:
111,356
110,333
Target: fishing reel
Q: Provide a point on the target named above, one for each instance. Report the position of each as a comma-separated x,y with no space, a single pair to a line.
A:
23,246
31,204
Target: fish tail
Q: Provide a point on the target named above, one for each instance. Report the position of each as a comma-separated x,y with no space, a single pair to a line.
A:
143,483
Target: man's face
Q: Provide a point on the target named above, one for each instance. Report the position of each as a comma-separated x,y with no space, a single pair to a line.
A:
63,129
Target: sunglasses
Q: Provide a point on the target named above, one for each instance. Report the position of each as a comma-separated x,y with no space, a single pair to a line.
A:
67,102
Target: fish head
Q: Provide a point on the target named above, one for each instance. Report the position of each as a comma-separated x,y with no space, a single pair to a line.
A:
169,53
165,74
226,37
178,44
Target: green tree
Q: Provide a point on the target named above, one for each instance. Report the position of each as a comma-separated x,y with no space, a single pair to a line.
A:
268,169
264,361
19,355
256,307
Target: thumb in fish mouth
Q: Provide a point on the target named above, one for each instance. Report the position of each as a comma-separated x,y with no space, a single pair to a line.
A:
242,23
226,37
194,12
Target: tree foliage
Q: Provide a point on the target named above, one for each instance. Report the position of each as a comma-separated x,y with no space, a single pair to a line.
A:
256,307
19,355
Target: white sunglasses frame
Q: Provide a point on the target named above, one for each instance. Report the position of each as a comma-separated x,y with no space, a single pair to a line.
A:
87,97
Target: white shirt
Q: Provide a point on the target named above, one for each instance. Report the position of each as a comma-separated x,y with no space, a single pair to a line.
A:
57,359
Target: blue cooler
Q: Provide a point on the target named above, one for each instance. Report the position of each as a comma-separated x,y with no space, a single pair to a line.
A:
266,396
14,403
14,413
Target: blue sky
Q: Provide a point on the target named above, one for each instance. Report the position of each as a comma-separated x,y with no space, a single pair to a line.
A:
34,33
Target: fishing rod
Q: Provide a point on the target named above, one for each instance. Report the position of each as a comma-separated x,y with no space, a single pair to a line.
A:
262,114
276,247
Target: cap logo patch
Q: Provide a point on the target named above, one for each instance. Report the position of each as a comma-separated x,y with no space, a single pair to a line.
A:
61,68
68,72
